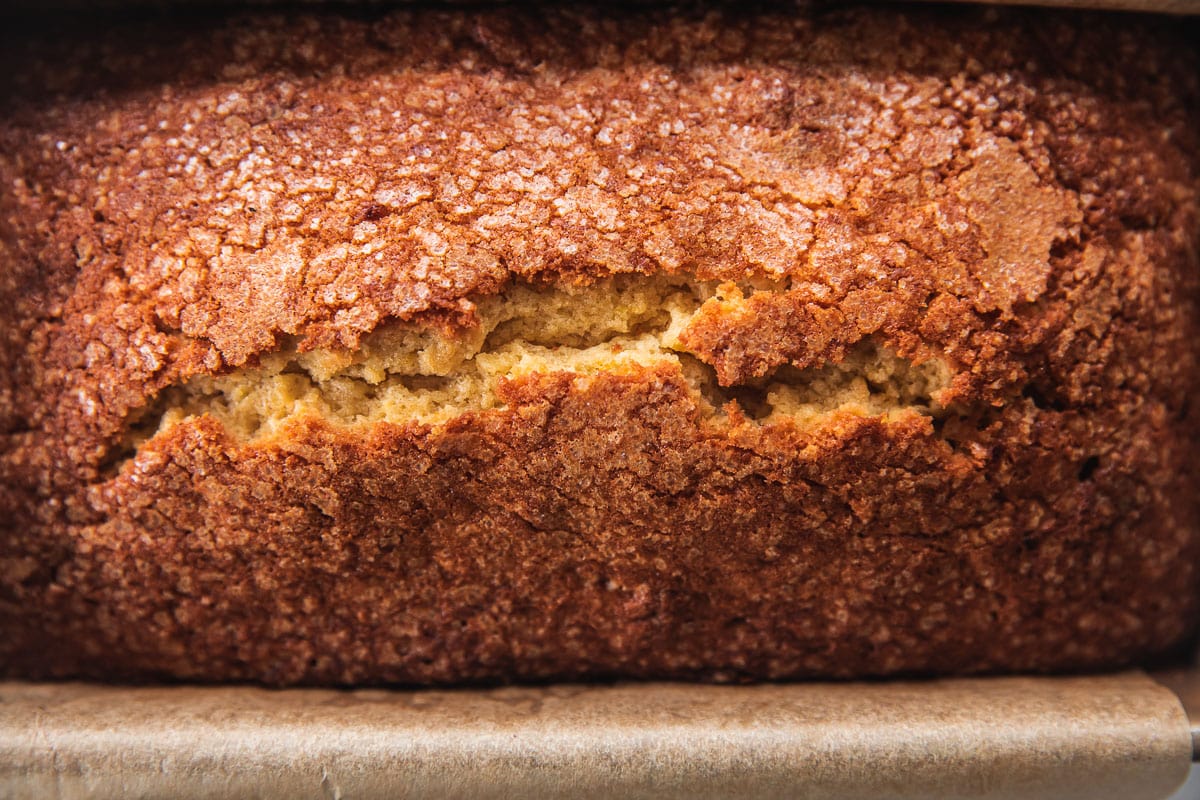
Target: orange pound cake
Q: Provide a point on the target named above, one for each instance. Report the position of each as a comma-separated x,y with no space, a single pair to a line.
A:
455,345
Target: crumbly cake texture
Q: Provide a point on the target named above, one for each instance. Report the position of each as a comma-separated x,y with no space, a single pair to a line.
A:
501,344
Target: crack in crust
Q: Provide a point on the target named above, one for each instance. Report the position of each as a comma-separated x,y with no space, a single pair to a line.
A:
405,375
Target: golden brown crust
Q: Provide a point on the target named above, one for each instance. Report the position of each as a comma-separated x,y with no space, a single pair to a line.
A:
1014,194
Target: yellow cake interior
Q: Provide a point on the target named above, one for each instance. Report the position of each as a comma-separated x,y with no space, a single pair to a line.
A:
403,373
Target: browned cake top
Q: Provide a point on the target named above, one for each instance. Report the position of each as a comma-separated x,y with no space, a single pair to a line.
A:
1011,194
178,204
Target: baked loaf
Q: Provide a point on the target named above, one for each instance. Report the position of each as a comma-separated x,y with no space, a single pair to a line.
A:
474,345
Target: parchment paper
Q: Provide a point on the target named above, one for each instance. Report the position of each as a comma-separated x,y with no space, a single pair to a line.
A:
1122,736
1185,683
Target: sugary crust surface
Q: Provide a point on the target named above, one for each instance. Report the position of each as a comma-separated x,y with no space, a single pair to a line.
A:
1013,193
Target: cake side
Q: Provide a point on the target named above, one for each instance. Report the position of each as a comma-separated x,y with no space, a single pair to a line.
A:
439,346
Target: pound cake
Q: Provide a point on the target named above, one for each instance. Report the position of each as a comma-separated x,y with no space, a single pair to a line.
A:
454,345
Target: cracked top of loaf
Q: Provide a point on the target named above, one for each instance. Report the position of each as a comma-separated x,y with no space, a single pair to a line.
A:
176,205
411,216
